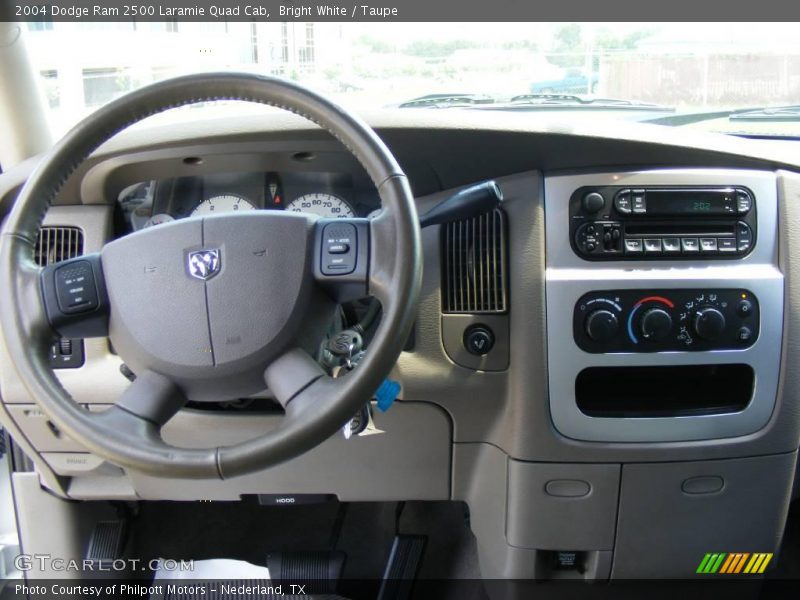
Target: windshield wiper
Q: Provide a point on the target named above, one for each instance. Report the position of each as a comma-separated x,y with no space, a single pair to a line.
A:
769,113
760,114
572,100
529,102
447,101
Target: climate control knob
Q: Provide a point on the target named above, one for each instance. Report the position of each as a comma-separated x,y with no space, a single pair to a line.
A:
655,324
709,323
602,325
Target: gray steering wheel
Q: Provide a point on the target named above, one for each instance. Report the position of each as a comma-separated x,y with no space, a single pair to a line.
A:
211,308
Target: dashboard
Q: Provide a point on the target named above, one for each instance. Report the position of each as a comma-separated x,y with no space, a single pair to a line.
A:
326,194
642,355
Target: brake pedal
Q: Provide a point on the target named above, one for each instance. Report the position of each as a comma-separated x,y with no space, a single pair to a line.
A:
318,572
402,568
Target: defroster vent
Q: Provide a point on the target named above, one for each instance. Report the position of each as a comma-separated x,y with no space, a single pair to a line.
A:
475,275
57,243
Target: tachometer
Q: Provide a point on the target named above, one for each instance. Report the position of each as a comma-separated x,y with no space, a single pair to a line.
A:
324,205
222,204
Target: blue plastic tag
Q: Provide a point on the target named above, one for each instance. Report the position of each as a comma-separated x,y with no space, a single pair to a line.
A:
387,393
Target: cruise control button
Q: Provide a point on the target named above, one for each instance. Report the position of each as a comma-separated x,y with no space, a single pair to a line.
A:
671,244
338,248
690,245
708,244
652,245
633,246
75,288
726,244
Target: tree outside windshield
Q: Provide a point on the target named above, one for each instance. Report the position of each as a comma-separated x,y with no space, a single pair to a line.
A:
689,66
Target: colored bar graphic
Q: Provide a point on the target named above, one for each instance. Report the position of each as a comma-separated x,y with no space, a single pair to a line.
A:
703,563
740,563
727,564
734,563
765,562
731,563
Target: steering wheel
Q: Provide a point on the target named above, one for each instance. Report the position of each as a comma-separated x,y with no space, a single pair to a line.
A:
212,308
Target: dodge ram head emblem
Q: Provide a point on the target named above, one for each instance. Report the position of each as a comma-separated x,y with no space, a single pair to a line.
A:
203,264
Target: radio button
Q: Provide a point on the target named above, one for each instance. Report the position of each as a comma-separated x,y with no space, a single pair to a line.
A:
726,244
671,244
593,202
622,202
708,244
633,246
744,236
743,202
652,246
638,202
690,245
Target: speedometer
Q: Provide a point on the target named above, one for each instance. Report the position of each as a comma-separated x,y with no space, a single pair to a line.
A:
222,204
325,205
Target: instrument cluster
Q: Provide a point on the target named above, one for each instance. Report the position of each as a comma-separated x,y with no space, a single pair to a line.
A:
327,195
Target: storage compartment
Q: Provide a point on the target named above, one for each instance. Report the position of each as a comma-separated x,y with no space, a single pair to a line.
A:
672,514
666,391
562,507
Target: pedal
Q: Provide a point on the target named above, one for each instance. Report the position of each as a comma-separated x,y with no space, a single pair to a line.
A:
107,542
317,572
402,567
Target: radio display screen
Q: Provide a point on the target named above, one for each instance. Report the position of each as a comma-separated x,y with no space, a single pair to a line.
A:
691,202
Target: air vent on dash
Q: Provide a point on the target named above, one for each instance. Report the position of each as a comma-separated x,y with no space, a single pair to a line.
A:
57,243
474,276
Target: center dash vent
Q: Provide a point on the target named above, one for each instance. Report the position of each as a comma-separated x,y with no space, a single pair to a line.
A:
56,244
474,275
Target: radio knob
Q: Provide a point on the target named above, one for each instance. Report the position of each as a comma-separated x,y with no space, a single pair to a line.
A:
602,325
709,323
656,324
593,202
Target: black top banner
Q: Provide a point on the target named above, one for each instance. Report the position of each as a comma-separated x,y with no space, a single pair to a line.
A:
399,10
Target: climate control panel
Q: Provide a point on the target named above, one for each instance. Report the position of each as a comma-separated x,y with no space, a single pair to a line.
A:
666,320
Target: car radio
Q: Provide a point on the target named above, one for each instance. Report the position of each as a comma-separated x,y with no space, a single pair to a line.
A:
659,222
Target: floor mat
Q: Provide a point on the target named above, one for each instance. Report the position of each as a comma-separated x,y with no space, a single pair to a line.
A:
364,531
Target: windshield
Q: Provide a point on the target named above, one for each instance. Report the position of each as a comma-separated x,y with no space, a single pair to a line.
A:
641,71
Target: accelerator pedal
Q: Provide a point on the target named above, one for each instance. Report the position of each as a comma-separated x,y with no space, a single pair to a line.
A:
319,572
107,543
402,567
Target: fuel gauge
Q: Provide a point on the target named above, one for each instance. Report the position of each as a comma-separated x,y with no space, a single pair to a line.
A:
158,219
274,192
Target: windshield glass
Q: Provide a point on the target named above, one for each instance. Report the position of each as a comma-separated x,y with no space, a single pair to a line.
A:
639,71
